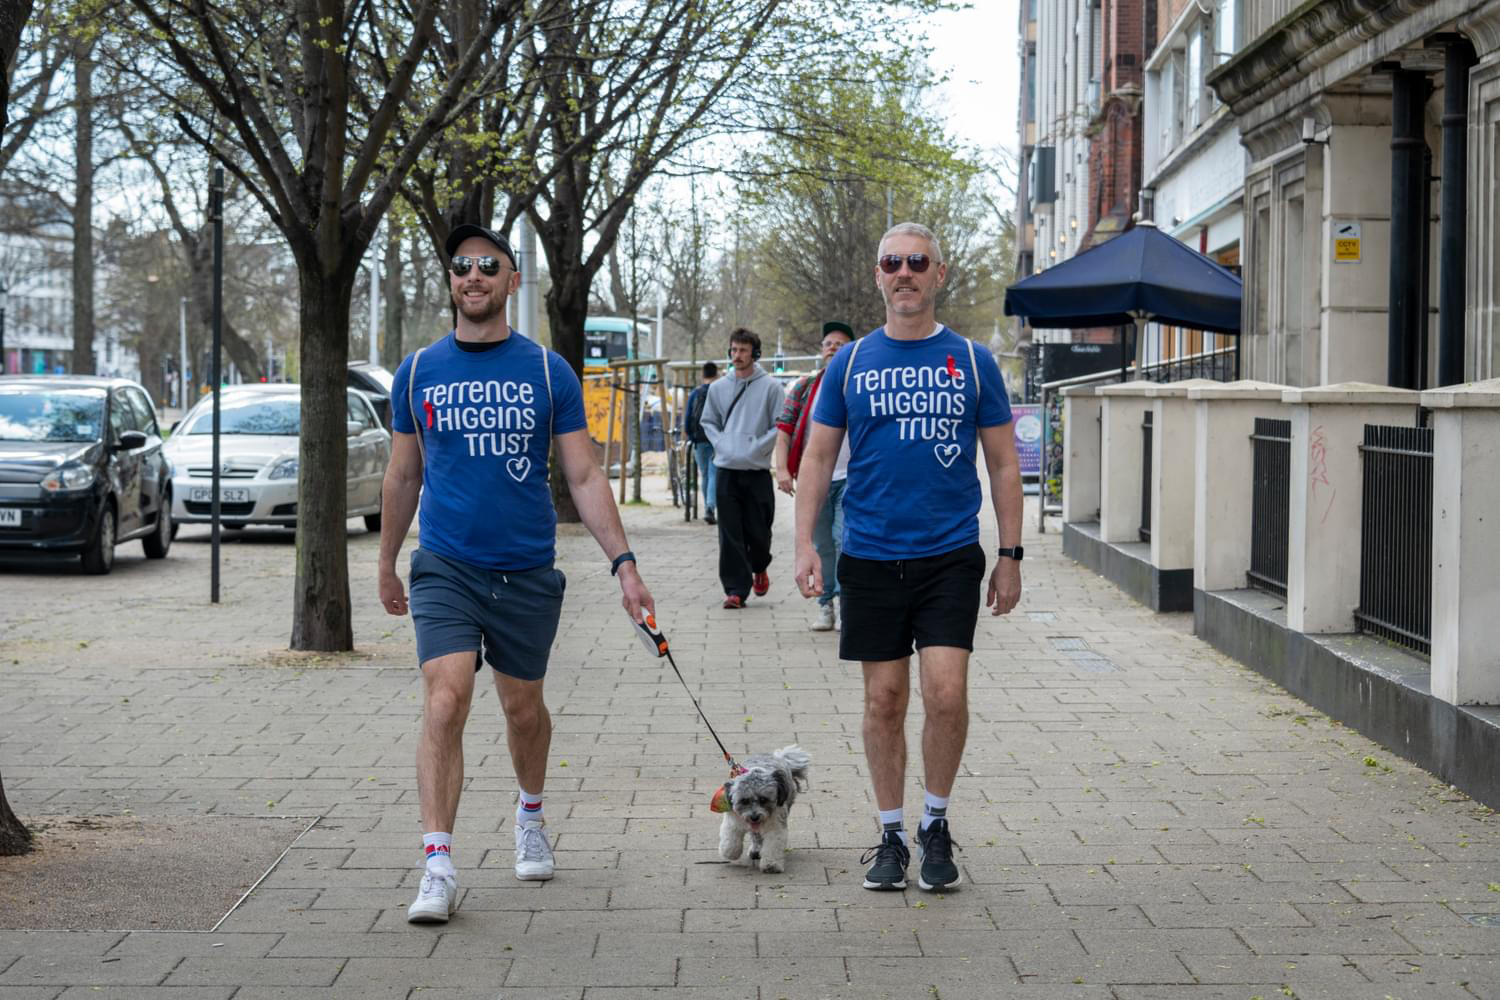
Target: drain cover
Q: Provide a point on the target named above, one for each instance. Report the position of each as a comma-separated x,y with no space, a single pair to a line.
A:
1065,642
1483,919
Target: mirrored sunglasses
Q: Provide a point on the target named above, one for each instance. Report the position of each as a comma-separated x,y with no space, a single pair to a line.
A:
487,265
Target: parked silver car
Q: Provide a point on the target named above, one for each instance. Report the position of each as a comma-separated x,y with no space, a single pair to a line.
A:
258,431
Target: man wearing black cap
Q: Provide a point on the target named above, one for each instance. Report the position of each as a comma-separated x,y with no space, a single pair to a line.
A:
474,416
791,435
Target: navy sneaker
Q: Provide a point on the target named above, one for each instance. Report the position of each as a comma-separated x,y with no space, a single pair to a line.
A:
891,858
936,846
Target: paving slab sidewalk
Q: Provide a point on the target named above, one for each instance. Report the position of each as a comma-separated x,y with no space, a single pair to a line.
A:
1139,816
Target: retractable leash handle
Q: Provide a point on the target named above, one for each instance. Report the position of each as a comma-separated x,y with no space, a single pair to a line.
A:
655,641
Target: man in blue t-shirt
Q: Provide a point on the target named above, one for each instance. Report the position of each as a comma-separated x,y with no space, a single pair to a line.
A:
474,416
916,401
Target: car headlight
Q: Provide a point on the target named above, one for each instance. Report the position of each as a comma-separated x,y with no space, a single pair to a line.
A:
68,477
284,469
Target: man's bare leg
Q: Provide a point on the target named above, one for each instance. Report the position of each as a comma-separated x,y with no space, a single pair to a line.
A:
528,729
944,672
887,693
447,693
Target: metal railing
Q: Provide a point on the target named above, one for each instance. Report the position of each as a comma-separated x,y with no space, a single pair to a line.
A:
1270,504
1146,441
1221,364
1395,558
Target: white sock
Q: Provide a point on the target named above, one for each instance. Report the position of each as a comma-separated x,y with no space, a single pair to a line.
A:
935,807
438,848
892,819
528,808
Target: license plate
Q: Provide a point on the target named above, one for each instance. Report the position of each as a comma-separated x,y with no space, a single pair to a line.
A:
10,517
205,494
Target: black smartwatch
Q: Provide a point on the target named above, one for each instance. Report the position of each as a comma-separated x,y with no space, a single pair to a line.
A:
621,559
1015,552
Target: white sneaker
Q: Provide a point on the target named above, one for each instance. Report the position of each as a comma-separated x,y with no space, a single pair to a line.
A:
534,861
436,900
824,621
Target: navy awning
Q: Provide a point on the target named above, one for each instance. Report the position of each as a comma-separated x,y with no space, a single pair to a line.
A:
1142,274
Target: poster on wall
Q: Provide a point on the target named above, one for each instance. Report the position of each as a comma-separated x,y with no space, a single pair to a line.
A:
1028,431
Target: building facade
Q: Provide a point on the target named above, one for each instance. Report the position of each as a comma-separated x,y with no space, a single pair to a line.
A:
1371,223
1194,162
36,311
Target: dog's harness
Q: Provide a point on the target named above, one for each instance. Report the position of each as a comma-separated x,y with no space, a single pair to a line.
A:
656,642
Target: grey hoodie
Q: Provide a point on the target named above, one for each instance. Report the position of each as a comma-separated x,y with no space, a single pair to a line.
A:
748,438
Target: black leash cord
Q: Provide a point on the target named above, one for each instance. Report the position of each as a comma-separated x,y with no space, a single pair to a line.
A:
732,764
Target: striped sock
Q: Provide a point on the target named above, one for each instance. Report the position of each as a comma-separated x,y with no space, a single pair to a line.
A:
935,807
438,849
528,808
891,821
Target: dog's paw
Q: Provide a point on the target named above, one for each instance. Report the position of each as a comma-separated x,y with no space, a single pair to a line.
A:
731,852
772,867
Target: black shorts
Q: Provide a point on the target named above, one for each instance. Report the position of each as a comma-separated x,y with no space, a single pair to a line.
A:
888,607
460,608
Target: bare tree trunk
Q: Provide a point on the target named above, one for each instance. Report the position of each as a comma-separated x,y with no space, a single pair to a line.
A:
83,211
14,837
321,616
566,310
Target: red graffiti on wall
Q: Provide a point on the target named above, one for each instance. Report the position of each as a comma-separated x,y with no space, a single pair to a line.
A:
1317,465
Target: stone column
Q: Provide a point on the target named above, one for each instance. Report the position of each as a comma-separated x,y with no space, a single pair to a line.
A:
1223,470
1173,476
1465,542
1322,588
1081,470
1124,406
1482,280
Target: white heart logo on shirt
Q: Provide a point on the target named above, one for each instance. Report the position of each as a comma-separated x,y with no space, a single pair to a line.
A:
518,468
946,453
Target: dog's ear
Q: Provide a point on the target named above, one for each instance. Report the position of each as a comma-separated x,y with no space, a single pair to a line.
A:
783,788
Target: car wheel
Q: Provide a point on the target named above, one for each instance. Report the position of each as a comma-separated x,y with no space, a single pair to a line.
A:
159,541
99,557
372,522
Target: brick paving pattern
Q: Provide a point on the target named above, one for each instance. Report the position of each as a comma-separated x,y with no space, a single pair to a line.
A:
1138,816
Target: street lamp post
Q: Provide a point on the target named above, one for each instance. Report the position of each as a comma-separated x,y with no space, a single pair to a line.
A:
4,297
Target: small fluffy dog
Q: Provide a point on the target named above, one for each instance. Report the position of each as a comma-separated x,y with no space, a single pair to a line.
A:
759,801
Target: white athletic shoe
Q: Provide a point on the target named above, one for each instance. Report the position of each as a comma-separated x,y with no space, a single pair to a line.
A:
824,621
436,900
534,861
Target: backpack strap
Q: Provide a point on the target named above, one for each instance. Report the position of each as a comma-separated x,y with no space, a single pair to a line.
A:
411,380
974,367
547,377
849,368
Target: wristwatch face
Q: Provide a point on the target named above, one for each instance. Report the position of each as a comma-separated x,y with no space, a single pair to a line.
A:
1015,552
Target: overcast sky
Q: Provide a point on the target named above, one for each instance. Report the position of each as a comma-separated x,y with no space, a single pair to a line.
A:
978,48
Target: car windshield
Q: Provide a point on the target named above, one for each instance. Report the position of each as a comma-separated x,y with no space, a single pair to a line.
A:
34,413
279,415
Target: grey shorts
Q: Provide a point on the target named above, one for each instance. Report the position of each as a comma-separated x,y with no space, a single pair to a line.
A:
512,615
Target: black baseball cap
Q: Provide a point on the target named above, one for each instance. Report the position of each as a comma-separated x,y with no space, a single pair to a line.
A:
468,229
837,326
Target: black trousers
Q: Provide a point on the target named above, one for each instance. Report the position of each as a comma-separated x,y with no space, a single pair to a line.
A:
746,508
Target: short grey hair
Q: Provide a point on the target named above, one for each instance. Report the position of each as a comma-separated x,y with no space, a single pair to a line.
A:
915,229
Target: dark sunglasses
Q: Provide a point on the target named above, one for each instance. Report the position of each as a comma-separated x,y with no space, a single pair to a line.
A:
487,265
891,262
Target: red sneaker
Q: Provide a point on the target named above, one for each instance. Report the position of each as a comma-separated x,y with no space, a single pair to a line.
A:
760,583
734,602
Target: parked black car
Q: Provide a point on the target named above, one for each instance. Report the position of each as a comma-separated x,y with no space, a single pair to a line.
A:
81,469
375,382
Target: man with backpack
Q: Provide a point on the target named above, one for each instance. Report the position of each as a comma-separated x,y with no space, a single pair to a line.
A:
703,448
791,436
739,417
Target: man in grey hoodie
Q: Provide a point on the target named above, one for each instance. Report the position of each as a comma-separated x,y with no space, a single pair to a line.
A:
739,418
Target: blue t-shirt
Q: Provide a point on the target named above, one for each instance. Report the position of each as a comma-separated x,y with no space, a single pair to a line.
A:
484,421
912,410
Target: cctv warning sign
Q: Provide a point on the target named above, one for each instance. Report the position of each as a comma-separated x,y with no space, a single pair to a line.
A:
1346,239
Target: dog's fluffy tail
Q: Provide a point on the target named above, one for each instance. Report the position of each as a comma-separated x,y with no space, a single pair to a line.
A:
797,761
